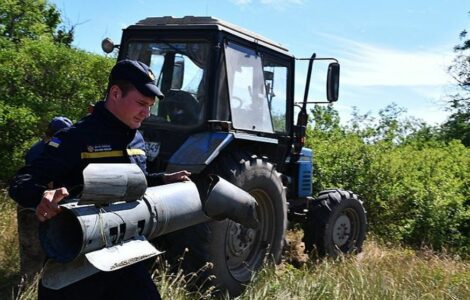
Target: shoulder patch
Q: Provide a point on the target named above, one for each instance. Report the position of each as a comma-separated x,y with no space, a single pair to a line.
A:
55,142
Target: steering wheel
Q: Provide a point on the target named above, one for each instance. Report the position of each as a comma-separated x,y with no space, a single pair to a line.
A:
237,103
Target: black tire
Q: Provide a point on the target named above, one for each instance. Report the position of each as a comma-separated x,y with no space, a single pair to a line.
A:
336,224
245,250
235,251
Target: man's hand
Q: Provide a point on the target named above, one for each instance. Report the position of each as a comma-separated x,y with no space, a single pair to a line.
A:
49,207
176,177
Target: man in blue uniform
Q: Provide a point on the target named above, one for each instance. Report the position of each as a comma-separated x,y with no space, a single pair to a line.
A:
31,254
54,125
108,135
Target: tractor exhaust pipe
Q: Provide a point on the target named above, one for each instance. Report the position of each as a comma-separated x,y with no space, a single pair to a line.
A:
226,200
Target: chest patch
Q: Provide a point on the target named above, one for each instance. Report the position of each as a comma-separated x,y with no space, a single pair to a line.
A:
99,148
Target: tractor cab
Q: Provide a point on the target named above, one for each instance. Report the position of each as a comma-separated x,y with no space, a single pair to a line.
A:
216,77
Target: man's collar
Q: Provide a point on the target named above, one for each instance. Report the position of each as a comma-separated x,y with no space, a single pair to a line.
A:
101,110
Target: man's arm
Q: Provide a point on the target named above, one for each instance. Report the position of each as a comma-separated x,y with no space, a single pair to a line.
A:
154,179
28,186
176,177
24,189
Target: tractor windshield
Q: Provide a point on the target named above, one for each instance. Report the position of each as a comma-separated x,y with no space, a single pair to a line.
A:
181,70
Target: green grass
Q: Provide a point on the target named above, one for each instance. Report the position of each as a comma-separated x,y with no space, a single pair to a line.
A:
376,273
379,272
9,253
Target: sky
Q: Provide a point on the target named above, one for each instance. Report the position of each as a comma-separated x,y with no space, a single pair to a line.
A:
390,51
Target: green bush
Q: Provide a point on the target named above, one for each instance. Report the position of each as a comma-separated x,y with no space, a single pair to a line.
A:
42,79
415,190
17,130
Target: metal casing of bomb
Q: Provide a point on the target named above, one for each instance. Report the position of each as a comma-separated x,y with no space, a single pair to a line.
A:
80,229
107,235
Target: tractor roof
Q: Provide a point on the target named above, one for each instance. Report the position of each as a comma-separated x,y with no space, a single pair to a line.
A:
192,22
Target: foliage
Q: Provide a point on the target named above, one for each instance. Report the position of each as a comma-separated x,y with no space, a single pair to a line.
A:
9,253
42,76
458,124
32,19
415,186
41,80
18,130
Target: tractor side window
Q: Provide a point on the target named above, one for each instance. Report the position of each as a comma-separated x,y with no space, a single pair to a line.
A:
275,78
247,91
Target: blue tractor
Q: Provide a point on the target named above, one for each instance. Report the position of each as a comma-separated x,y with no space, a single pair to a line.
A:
229,110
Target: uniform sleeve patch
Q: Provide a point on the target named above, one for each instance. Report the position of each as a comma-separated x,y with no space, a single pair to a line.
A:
55,142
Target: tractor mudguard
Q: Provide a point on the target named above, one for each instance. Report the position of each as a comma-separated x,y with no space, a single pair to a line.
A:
198,151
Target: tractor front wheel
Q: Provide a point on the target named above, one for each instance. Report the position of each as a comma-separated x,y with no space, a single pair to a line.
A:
336,223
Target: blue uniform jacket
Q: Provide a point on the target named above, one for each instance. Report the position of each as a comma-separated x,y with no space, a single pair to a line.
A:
34,152
97,138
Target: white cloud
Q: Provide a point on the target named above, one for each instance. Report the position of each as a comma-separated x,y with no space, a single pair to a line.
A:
369,65
373,77
431,114
276,4
281,2
241,2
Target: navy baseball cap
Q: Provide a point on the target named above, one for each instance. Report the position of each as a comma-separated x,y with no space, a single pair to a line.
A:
59,123
137,73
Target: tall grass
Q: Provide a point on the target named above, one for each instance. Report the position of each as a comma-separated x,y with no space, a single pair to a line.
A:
9,253
379,272
376,273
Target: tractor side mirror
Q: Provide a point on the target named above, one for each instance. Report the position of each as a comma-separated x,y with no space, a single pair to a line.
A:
332,82
107,45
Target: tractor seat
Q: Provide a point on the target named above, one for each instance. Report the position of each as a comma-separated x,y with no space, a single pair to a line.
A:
181,107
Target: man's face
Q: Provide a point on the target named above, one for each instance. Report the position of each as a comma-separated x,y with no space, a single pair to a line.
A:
131,109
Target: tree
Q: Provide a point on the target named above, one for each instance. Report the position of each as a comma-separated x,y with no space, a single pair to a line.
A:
32,19
42,77
458,124
325,119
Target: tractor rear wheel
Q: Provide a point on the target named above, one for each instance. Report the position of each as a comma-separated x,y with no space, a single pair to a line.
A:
237,251
336,224
233,250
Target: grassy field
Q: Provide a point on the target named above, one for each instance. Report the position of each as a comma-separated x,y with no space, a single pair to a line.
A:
379,272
